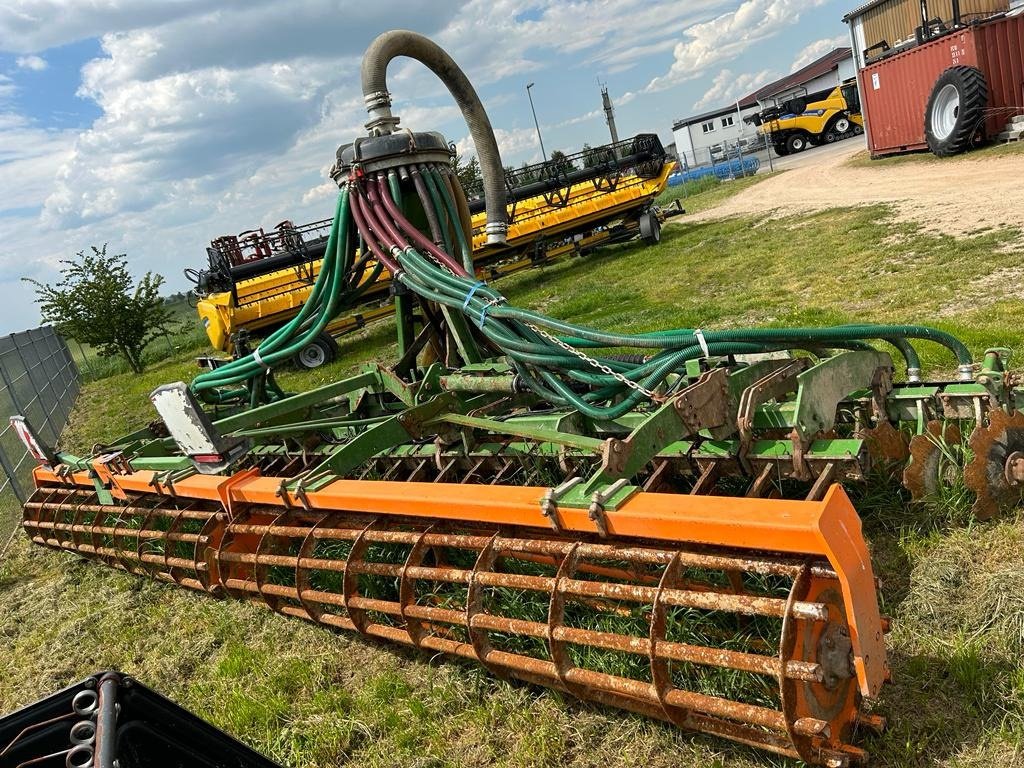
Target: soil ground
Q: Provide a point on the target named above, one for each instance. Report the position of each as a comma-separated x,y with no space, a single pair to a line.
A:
963,195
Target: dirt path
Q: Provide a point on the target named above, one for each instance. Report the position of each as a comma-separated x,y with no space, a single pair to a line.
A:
956,196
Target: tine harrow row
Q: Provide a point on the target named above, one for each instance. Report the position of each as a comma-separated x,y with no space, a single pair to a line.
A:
539,608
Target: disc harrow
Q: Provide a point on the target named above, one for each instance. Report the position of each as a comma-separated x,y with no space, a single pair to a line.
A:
662,530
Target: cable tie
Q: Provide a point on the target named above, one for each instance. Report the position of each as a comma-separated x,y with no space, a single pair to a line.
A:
259,360
469,296
699,334
487,308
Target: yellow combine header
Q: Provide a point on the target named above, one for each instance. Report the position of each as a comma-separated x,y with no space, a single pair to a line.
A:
258,280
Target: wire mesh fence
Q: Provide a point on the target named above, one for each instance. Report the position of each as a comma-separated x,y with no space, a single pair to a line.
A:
726,160
40,381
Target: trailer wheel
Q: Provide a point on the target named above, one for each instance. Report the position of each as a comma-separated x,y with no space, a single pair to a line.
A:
955,111
650,228
320,351
796,143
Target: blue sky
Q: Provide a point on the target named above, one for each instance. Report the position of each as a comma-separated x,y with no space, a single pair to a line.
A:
156,125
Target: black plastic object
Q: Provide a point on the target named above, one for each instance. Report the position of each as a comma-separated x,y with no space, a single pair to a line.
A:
380,152
111,721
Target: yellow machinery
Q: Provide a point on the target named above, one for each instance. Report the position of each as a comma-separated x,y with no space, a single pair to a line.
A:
819,118
258,280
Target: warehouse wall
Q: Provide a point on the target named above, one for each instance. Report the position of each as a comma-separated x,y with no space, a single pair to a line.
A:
896,20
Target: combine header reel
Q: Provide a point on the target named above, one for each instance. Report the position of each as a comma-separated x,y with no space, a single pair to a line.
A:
648,521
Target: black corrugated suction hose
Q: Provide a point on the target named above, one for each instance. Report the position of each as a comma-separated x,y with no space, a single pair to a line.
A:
401,42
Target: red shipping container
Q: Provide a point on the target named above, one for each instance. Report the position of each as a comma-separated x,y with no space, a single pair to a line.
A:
895,91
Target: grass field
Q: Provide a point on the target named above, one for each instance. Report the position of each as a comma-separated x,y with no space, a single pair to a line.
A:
311,698
184,335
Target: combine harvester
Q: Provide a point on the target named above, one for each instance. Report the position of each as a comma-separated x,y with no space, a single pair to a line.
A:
647,521
256,281
809,120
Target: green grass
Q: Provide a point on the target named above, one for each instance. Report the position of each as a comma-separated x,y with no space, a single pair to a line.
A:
310,698
703,194
185,334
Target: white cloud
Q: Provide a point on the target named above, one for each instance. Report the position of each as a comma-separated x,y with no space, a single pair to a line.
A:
727,88
723,38
511,143
817,49
216,117
34,63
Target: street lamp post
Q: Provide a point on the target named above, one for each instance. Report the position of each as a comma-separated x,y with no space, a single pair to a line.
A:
535,123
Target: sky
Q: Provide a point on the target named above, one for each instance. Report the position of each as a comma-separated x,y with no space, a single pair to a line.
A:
158,125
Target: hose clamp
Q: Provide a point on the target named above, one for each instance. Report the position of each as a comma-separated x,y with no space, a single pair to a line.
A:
497,232
965,372
913,375
376,99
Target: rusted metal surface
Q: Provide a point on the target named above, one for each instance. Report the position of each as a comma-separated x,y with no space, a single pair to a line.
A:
622,623
895,90
928,453
997,468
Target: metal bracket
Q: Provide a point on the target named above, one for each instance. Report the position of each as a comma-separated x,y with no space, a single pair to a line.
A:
597,502
549,503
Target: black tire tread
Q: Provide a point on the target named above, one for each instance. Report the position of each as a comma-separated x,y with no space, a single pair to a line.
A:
973,88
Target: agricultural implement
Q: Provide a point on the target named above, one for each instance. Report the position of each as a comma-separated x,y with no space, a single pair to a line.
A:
650,521
257,281
110,720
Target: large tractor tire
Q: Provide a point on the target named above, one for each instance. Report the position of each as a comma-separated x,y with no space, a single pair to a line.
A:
780,149
955,111
796,142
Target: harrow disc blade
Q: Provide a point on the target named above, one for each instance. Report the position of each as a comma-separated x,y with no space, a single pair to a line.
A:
751,645
996,472
930,455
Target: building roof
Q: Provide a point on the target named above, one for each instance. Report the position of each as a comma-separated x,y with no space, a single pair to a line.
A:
816,68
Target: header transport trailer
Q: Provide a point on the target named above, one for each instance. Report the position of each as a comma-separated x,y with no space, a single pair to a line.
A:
955,81
563,207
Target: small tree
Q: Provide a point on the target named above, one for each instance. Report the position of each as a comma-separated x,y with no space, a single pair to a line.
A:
469,175
97,302
560,163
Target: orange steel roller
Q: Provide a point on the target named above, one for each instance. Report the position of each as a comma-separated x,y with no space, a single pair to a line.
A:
751,619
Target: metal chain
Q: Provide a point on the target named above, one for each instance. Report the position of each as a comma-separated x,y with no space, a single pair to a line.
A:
591,361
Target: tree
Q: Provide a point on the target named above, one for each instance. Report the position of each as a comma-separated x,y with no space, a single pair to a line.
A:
97,302
469,175
560,163
599,156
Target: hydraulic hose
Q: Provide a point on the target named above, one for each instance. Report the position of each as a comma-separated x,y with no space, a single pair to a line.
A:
401,42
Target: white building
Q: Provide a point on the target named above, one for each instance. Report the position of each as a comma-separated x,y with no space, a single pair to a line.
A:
698,135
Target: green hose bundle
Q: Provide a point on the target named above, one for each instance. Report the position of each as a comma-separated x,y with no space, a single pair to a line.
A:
558,360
